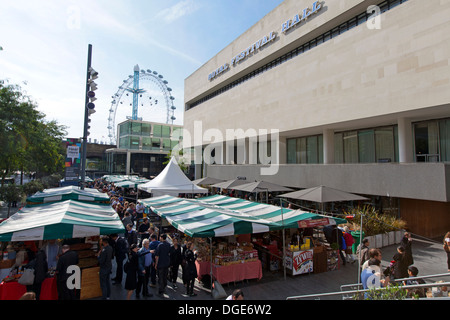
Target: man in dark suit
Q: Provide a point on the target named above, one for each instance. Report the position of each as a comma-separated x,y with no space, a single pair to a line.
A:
67,259
120,253
105,256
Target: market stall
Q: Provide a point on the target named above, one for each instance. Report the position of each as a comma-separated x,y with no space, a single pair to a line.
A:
67,193
171,181
221,216
73,222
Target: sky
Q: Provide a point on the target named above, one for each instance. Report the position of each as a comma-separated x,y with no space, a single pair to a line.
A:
45,48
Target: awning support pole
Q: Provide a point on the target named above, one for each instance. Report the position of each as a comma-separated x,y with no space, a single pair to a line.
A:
284,240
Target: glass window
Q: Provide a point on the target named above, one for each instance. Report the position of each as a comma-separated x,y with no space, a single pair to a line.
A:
156,144
320,148
146,143
125,128
301,151
362,18
311,147
396,149
335,32
351,147
426,141
165,131
385,144
134,143
292,151
352,23
146,129
124,143
136,128
366,146
166,145
338,148
157,130
393,3
444,134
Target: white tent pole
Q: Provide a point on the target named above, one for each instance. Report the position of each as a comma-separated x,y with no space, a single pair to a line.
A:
360,246
284,241
211,267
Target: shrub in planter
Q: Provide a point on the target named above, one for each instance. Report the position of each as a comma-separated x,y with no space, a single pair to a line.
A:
373,222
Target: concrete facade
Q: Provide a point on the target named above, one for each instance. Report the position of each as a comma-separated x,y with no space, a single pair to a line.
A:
395,75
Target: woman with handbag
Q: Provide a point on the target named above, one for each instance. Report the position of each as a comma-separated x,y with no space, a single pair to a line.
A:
447,249
190,270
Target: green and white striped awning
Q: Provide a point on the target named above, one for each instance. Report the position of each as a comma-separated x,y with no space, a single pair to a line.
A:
131,183
67,193
218,216
160,201
61,220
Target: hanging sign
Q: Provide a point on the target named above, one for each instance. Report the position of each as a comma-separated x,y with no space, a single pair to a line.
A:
314,223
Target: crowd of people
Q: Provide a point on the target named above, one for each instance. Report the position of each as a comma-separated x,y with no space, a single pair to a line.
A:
145,256
400,270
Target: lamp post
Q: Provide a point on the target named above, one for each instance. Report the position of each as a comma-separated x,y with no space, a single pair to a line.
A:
89,108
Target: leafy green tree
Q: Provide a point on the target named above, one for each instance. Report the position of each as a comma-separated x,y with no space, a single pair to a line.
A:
10,193
179,156
28,143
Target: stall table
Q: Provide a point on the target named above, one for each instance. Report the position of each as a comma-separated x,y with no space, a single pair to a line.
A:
232,272
49,289
12,290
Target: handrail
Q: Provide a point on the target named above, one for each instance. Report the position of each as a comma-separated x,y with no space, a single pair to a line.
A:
443,284
403,279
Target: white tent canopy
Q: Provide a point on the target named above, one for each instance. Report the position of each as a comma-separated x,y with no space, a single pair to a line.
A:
171,181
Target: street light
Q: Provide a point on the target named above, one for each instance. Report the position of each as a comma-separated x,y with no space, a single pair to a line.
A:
89,108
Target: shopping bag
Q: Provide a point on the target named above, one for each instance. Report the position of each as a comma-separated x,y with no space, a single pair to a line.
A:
27,277
218,291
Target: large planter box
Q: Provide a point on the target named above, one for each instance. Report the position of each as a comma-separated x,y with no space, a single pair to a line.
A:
371,241
378,241
399,236
385,237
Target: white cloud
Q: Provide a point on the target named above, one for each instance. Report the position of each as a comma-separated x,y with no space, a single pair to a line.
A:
179,10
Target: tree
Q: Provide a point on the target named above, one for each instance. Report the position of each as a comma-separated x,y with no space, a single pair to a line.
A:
27,141
179,156
10,193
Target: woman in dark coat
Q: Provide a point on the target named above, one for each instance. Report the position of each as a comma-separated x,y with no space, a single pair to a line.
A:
40,272
400,266
190,270
407,244
132,269
175,261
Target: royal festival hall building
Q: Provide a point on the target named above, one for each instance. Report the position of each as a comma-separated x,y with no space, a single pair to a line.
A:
359,92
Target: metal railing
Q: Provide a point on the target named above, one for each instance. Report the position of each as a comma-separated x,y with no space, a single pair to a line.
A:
350,294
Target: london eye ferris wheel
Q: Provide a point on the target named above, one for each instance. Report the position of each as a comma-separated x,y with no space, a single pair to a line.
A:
147,95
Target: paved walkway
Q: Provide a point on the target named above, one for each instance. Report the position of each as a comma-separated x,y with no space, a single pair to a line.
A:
429,258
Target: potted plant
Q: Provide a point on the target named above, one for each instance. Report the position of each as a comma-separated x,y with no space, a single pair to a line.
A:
381,229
